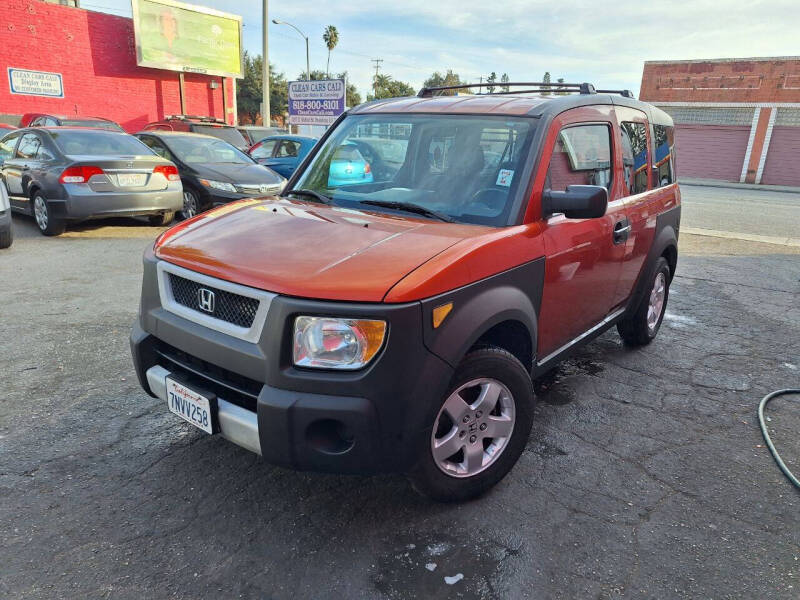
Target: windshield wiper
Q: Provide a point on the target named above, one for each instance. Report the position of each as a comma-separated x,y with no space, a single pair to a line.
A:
409,207
316,195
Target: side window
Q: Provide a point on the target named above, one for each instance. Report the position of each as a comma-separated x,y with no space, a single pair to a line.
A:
44,153
287,149
36,122
28,146
634,156
7,146
50,122
264,149
664,150
156,147
582,156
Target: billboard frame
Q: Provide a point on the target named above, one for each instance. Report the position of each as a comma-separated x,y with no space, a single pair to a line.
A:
193,8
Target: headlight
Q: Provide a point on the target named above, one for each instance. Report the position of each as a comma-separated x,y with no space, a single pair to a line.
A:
330,343
219,185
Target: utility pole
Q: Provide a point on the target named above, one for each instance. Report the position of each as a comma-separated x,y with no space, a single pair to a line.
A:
265,108
377,62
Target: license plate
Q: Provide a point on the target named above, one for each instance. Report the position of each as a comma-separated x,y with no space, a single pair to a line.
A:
131,179
189,405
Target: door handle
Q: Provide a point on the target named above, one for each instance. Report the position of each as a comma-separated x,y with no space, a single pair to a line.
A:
621,231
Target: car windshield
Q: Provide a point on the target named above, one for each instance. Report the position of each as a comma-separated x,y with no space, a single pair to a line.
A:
467,168
108,125
229,134
98,143
194,150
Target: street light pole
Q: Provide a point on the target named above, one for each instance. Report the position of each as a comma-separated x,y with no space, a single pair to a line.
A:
305,37
266,113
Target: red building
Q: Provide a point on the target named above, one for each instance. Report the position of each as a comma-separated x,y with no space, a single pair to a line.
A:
737,119
93,55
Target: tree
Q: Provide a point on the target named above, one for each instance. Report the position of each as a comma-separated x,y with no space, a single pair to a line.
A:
449,78
558,92
504,80
331,38
248,91
491,81
546,88
386,87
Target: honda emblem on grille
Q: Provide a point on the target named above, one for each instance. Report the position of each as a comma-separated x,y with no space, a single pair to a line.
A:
205,300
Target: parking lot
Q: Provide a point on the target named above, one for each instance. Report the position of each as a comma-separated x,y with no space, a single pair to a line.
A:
645,475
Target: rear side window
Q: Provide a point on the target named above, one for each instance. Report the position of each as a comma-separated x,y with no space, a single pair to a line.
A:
263,149
287,149
582,156
664,151
634,156
28,146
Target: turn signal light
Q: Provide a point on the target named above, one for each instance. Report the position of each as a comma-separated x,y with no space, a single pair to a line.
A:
440,313
80,174
168,171
367,168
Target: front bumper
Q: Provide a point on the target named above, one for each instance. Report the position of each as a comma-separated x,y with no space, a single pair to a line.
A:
366,421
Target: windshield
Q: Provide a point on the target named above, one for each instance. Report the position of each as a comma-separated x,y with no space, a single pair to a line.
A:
193,150
108,125
465,167
98,143
229,134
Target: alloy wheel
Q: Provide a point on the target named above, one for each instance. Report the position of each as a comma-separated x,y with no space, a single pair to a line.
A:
656,303
40,212
189,205
473,427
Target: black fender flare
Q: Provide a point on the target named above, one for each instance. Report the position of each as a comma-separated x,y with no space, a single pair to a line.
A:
514,295
667,230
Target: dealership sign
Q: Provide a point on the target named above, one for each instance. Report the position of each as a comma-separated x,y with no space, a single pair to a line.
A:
315,102
35,83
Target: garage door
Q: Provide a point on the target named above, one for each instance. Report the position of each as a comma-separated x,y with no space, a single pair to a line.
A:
782,166
711,151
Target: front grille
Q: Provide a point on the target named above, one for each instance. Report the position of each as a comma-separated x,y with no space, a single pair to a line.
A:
236,389
225,306
259,190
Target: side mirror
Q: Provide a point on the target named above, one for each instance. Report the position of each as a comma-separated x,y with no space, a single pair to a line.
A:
578,202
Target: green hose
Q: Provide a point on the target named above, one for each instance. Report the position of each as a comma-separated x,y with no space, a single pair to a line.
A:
767,439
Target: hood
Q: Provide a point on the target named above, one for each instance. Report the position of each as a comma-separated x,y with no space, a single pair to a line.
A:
237,173
309,250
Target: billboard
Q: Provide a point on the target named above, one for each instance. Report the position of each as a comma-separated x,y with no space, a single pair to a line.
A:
317,102
183,37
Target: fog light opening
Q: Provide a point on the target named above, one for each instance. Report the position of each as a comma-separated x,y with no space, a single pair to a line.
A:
329,436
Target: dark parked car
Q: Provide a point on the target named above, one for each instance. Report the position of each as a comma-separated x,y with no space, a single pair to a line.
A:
207,125
6,227
212,170
253,133
62,174
282,153
44,120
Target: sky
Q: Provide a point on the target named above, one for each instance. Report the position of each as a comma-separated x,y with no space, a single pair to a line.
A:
605,43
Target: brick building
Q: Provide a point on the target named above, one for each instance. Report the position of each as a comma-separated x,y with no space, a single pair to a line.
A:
737,119
95,56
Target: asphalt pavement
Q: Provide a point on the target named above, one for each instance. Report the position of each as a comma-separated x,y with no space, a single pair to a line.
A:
645,475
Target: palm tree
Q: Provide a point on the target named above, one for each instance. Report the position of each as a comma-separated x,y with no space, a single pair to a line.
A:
331,38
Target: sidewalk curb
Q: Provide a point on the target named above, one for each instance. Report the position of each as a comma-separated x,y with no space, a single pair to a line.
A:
748,237
738,186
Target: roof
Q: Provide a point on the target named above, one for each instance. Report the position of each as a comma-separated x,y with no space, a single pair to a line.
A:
724,60
176,134
497,104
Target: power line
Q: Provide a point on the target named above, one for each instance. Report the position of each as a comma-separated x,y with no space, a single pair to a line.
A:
377,62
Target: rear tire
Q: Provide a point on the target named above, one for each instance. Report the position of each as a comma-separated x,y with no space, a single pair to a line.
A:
7,236
45,221
481,454
641,327
161,220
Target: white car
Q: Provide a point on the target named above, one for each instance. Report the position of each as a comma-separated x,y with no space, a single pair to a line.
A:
6,230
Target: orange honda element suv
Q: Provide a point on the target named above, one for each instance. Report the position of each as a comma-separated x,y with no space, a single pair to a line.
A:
395,322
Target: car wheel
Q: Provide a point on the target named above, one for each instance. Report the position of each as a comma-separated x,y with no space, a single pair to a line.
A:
7,236
47,223
642,326
161,219
479,430
191,206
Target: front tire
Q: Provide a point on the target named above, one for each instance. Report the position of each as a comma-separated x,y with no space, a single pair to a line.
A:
191,205
641,327
479,430
48,224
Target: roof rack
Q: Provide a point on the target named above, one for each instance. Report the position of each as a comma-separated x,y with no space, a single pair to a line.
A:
195,117
538,86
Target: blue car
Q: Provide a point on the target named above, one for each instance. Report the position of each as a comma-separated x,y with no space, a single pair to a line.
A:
348,167
282,153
